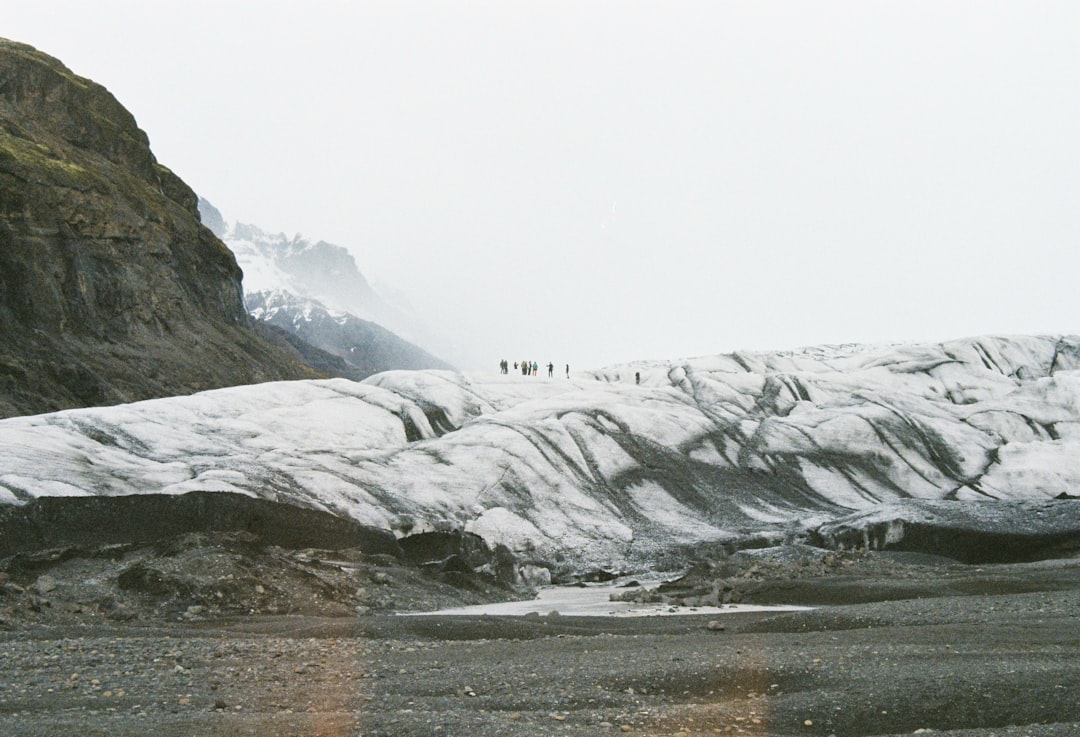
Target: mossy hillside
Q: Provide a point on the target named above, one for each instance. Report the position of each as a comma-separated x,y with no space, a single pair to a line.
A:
79,190
28,53
44,101
111,289
20,155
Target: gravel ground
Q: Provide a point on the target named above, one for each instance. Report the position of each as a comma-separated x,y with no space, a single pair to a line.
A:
989,650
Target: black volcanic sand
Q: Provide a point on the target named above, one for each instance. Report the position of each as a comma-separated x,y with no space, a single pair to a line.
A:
983,650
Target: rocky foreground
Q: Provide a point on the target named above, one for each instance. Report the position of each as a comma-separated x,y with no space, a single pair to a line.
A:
936,647
223,634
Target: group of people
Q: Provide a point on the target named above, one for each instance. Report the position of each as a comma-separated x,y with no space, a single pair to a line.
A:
529,368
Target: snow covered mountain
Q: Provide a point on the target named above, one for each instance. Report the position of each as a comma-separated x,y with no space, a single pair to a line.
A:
365,347
624,465
298,281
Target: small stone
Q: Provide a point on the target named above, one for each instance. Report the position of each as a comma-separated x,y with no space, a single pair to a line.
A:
122,614
808,723
45,584
717,626
184,701
626,728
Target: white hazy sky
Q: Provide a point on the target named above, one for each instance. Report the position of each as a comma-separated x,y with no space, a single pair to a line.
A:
593,182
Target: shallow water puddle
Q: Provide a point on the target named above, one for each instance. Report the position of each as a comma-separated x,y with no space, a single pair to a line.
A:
593,600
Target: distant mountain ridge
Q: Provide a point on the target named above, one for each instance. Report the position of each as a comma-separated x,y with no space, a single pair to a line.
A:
110,288
366,347
316,291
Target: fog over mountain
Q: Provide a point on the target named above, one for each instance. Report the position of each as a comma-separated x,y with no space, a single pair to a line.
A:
686,177
622,466
315,291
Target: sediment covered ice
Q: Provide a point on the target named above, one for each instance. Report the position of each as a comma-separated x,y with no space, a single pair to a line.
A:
599,467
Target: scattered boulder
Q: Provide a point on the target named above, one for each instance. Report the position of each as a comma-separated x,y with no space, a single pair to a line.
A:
45,584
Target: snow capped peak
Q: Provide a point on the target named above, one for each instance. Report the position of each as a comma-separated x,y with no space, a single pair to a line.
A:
266,305
315,270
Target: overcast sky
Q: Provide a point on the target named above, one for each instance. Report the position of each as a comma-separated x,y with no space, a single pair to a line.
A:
595,182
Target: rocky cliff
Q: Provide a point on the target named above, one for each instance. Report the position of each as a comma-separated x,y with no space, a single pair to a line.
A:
111,290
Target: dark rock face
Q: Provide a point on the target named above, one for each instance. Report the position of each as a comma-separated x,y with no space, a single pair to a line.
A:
149,518
428,547
971,532
110,288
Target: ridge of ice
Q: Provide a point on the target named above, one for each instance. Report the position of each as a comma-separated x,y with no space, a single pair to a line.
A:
597,468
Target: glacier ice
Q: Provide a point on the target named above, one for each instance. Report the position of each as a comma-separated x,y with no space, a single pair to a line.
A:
597,468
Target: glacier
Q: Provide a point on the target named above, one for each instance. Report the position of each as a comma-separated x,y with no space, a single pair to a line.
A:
606,468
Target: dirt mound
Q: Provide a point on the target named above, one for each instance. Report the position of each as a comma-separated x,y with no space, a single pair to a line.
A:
800,574
204,555
973,532
209,575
